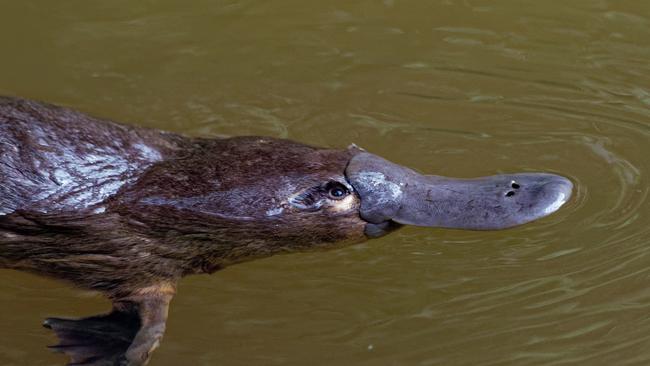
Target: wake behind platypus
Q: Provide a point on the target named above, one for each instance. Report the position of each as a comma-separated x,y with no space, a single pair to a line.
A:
129,211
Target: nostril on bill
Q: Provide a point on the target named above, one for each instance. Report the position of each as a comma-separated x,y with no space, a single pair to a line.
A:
514,185
510,194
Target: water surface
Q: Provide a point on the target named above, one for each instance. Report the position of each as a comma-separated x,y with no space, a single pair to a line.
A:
460,88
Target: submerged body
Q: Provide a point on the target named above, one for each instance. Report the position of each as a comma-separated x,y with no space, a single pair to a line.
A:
129,211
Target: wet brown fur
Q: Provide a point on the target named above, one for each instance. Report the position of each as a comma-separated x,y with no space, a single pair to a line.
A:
201,205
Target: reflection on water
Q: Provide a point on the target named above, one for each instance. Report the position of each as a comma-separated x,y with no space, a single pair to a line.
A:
460,88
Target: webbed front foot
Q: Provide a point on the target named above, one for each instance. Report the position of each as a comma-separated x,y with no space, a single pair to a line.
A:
100,340
125,337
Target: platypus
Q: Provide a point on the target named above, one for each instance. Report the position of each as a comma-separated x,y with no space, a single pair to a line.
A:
128,211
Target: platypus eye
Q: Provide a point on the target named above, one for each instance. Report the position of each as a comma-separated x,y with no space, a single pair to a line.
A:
336,190
312,199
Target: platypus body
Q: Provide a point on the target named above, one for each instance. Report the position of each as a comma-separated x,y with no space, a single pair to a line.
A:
129,211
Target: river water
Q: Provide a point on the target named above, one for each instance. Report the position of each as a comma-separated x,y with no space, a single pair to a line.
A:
459,88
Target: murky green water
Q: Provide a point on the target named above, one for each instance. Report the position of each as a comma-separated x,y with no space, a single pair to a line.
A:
460,88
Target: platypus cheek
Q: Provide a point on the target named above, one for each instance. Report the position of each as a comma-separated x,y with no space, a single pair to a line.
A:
349,203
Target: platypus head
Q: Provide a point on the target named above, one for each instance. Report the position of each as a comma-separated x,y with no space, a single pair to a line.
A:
264,195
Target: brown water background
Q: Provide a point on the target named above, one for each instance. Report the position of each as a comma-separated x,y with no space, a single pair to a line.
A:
460,88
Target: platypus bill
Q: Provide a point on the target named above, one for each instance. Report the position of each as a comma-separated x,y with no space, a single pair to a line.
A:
129,211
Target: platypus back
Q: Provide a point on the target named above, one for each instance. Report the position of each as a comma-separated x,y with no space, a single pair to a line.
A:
54,158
